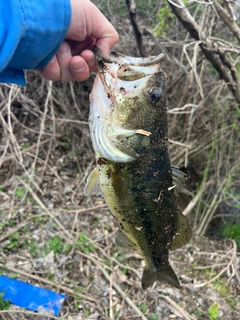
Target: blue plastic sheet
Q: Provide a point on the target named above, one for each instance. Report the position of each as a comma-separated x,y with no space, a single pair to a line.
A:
31,297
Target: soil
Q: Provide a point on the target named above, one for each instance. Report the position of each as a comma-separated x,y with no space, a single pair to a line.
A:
54,237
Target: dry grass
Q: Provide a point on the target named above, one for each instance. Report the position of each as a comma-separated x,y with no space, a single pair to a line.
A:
55,237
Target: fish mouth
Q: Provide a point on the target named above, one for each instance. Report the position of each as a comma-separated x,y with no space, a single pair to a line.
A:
120,58
121,79
119,68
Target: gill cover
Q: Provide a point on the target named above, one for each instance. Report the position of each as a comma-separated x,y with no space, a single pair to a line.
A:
114,73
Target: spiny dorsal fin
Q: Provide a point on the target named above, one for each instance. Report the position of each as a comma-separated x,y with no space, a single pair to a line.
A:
92,184
183,232
179,178
123,241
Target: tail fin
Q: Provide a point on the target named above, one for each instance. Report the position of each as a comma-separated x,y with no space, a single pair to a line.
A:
166,275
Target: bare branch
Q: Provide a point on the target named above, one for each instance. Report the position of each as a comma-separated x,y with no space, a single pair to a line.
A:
229,22
133,17
211,50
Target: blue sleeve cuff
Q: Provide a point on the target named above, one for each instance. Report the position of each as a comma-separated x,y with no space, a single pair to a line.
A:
47,24
10,75
31,36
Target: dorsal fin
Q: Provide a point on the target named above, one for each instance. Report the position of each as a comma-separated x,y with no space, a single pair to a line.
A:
183,232
92,184
179,178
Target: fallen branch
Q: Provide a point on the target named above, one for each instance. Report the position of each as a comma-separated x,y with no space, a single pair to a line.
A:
185,315
48,282
122,293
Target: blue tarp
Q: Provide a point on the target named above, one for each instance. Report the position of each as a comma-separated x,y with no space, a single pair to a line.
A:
31,297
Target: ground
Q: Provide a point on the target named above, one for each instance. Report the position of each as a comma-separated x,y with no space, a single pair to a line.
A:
55,237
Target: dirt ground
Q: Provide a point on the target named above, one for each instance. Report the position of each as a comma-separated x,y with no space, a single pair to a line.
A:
55,237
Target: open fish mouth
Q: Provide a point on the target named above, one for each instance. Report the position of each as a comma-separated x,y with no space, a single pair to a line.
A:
119,80
126,68
131,61
129,133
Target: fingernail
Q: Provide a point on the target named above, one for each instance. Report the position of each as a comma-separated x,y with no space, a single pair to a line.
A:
78,67
63,50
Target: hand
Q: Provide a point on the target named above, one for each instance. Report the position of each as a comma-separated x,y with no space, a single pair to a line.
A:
74,59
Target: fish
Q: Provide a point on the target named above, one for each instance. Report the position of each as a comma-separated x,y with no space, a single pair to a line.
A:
129,132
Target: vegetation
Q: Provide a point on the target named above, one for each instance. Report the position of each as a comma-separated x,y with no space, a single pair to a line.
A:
4,304
54,236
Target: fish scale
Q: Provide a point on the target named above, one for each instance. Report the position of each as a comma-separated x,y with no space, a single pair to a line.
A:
133,170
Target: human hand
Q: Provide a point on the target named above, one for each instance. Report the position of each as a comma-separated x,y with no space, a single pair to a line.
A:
75,59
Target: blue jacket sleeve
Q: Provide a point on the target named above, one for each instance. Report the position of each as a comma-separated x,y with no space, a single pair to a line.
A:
31,31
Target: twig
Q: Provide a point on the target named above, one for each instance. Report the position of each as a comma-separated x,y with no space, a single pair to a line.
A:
114,284
210,50
35,197
226,19
123,294
21,225
93,260
39,314
199,285
180,144
53,284
25,151
186,315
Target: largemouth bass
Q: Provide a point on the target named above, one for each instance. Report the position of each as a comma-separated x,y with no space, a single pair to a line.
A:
128,128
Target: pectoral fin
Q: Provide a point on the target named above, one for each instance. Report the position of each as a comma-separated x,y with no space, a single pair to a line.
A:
183,232
123,241
92,184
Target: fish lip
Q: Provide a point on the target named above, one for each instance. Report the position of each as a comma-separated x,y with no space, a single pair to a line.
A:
116,58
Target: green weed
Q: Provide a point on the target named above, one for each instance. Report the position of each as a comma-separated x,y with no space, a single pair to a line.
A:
55,244
231,230
143,307
25,146
4,304
13,241
213,311
83,244
65,142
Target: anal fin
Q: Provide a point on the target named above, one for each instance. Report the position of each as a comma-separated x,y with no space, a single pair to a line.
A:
183,232
123,241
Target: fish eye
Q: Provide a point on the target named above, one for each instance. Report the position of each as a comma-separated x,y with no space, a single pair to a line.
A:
155,93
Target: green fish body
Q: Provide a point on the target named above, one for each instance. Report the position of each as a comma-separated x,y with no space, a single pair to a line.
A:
128,127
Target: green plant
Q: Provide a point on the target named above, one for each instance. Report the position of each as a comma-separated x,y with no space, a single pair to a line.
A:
164,18
25,146
20,191
56,244
13,241
213,311
84,244
32,246
231,230
143,307
4,304
198,313
65,142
